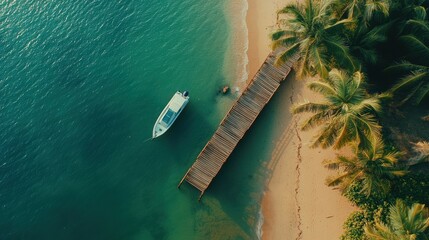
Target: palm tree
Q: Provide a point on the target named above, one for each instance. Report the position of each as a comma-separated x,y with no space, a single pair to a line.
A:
310,30
364,41
346,114
414,87
362,9
375,167
405,223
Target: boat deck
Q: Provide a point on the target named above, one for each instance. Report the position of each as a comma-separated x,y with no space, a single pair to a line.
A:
236,123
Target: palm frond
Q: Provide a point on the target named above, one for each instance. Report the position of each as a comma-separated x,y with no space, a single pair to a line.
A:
284,42
328,134
333,181
321,87
341,53
379,232
408,80
406,222
325,7
369,104
346,134
372,6
416,46
331,164
403,66
293,10
316,120
309,107
280,33
319,59
391,156
369,123
376,35
421,93
420,13
288,53
339,24
302,62
339,161
420,27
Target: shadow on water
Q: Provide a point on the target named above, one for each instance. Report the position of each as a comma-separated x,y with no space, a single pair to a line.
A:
240,183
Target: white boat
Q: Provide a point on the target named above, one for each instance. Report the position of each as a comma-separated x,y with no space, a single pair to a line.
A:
170,113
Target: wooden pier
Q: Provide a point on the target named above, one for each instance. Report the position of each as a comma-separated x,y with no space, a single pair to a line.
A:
237,121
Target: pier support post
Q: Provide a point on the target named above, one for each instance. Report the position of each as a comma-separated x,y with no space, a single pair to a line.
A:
201,195
183,179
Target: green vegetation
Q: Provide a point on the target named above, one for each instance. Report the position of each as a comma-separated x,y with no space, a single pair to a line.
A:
404,223
339,42
348,113
362,10
309,29
414,86
374,167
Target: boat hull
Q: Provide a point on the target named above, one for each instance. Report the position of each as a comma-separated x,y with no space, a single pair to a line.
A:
170,113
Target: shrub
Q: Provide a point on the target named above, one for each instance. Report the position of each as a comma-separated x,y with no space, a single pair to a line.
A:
353,226
413,187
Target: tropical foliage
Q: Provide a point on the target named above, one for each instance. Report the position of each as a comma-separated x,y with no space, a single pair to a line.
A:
414,86
310,30
354,226
346,115
374,167
364,40
362,9
413,187
405,223
340,41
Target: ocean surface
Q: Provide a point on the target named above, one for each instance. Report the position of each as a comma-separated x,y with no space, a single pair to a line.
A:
81,84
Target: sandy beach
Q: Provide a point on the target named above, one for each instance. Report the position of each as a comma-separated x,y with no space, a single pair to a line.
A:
297,204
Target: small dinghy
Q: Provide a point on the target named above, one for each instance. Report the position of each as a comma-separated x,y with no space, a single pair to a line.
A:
170,113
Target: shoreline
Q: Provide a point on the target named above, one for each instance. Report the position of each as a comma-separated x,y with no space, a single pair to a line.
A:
236,63
295,190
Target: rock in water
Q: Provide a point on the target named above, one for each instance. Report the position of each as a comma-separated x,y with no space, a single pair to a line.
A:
225,89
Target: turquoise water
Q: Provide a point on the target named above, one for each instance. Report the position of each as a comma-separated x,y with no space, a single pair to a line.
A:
81,85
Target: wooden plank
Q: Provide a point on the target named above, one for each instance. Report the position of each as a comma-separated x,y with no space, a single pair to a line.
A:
236,122
200,175
195,182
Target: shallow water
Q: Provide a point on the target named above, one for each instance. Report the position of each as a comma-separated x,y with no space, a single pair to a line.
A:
80,88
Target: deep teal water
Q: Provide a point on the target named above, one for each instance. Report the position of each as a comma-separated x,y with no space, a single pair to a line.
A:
81,84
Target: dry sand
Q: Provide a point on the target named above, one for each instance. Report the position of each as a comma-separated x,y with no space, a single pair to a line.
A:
261,19
297,204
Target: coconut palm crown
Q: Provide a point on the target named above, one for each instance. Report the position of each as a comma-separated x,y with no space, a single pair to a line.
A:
311,31
406,223
374,167
346,115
